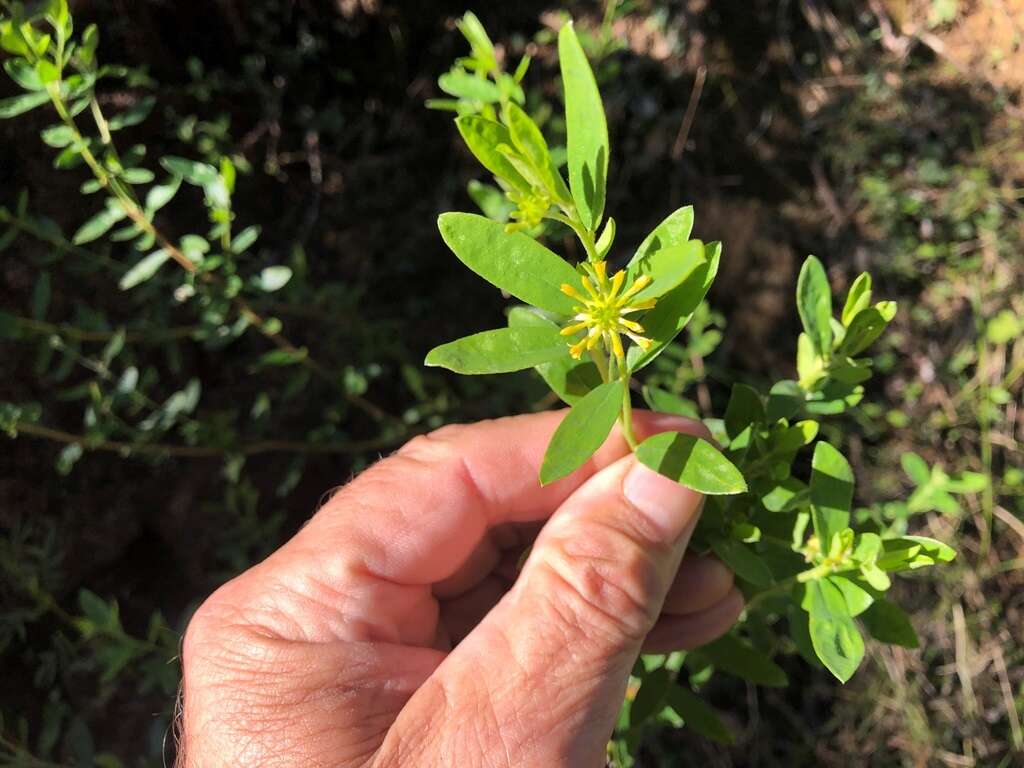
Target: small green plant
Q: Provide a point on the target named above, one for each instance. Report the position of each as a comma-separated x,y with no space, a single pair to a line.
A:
590,329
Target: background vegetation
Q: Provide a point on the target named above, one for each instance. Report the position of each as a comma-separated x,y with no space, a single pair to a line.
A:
167,438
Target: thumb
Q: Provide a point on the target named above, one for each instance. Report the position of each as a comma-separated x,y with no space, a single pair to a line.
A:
552,660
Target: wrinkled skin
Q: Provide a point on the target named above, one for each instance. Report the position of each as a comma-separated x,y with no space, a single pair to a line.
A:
397,629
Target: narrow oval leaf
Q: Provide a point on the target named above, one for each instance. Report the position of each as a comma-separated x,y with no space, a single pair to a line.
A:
274,278
97,226
483,137
743,561
691,461
857,598
663,401
814,303
586,129
745,408
23,73
672,231
887,623
582,431
511,261
730,654
674,310
19,105
859,298
831,492
196,173
835,637
698,715
527,137
499,351
648,702
143,270
667,268
464,85
866,327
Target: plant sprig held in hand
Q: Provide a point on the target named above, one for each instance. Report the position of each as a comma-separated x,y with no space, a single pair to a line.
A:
809,568
584,323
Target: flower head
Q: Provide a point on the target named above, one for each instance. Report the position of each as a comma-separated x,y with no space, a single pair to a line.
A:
602,312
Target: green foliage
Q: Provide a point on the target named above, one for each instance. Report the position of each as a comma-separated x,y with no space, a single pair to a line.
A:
789,540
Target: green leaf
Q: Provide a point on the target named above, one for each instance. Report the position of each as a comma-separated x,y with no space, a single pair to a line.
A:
835,637
743,561
698,715
513,262
527,137
134,114
886,622
654,686
23,74
137,175
47,72
732,655
586,129
866,327
858,299
161,195
570,379
57,136
691,461
785,399
274,278
98,225
915,467
745,408
967,482
582,431
471,28
245,239
674,310
663,401
814,302
283,357
667,268
19,105
788,495
195,173
857,598
483,137
607,238
673,231
913,552
499,351
143,270
464,85
831,492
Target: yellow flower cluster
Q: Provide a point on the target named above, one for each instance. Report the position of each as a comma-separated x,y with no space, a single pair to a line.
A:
602,312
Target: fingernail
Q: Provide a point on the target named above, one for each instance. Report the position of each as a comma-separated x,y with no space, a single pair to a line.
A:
666,503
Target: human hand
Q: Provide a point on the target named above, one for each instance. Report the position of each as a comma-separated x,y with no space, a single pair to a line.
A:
395,628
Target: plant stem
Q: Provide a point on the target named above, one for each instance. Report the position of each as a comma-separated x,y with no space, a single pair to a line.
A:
154,336
626,417
126,198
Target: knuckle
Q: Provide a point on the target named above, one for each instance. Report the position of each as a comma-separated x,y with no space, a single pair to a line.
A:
432,445
613,582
